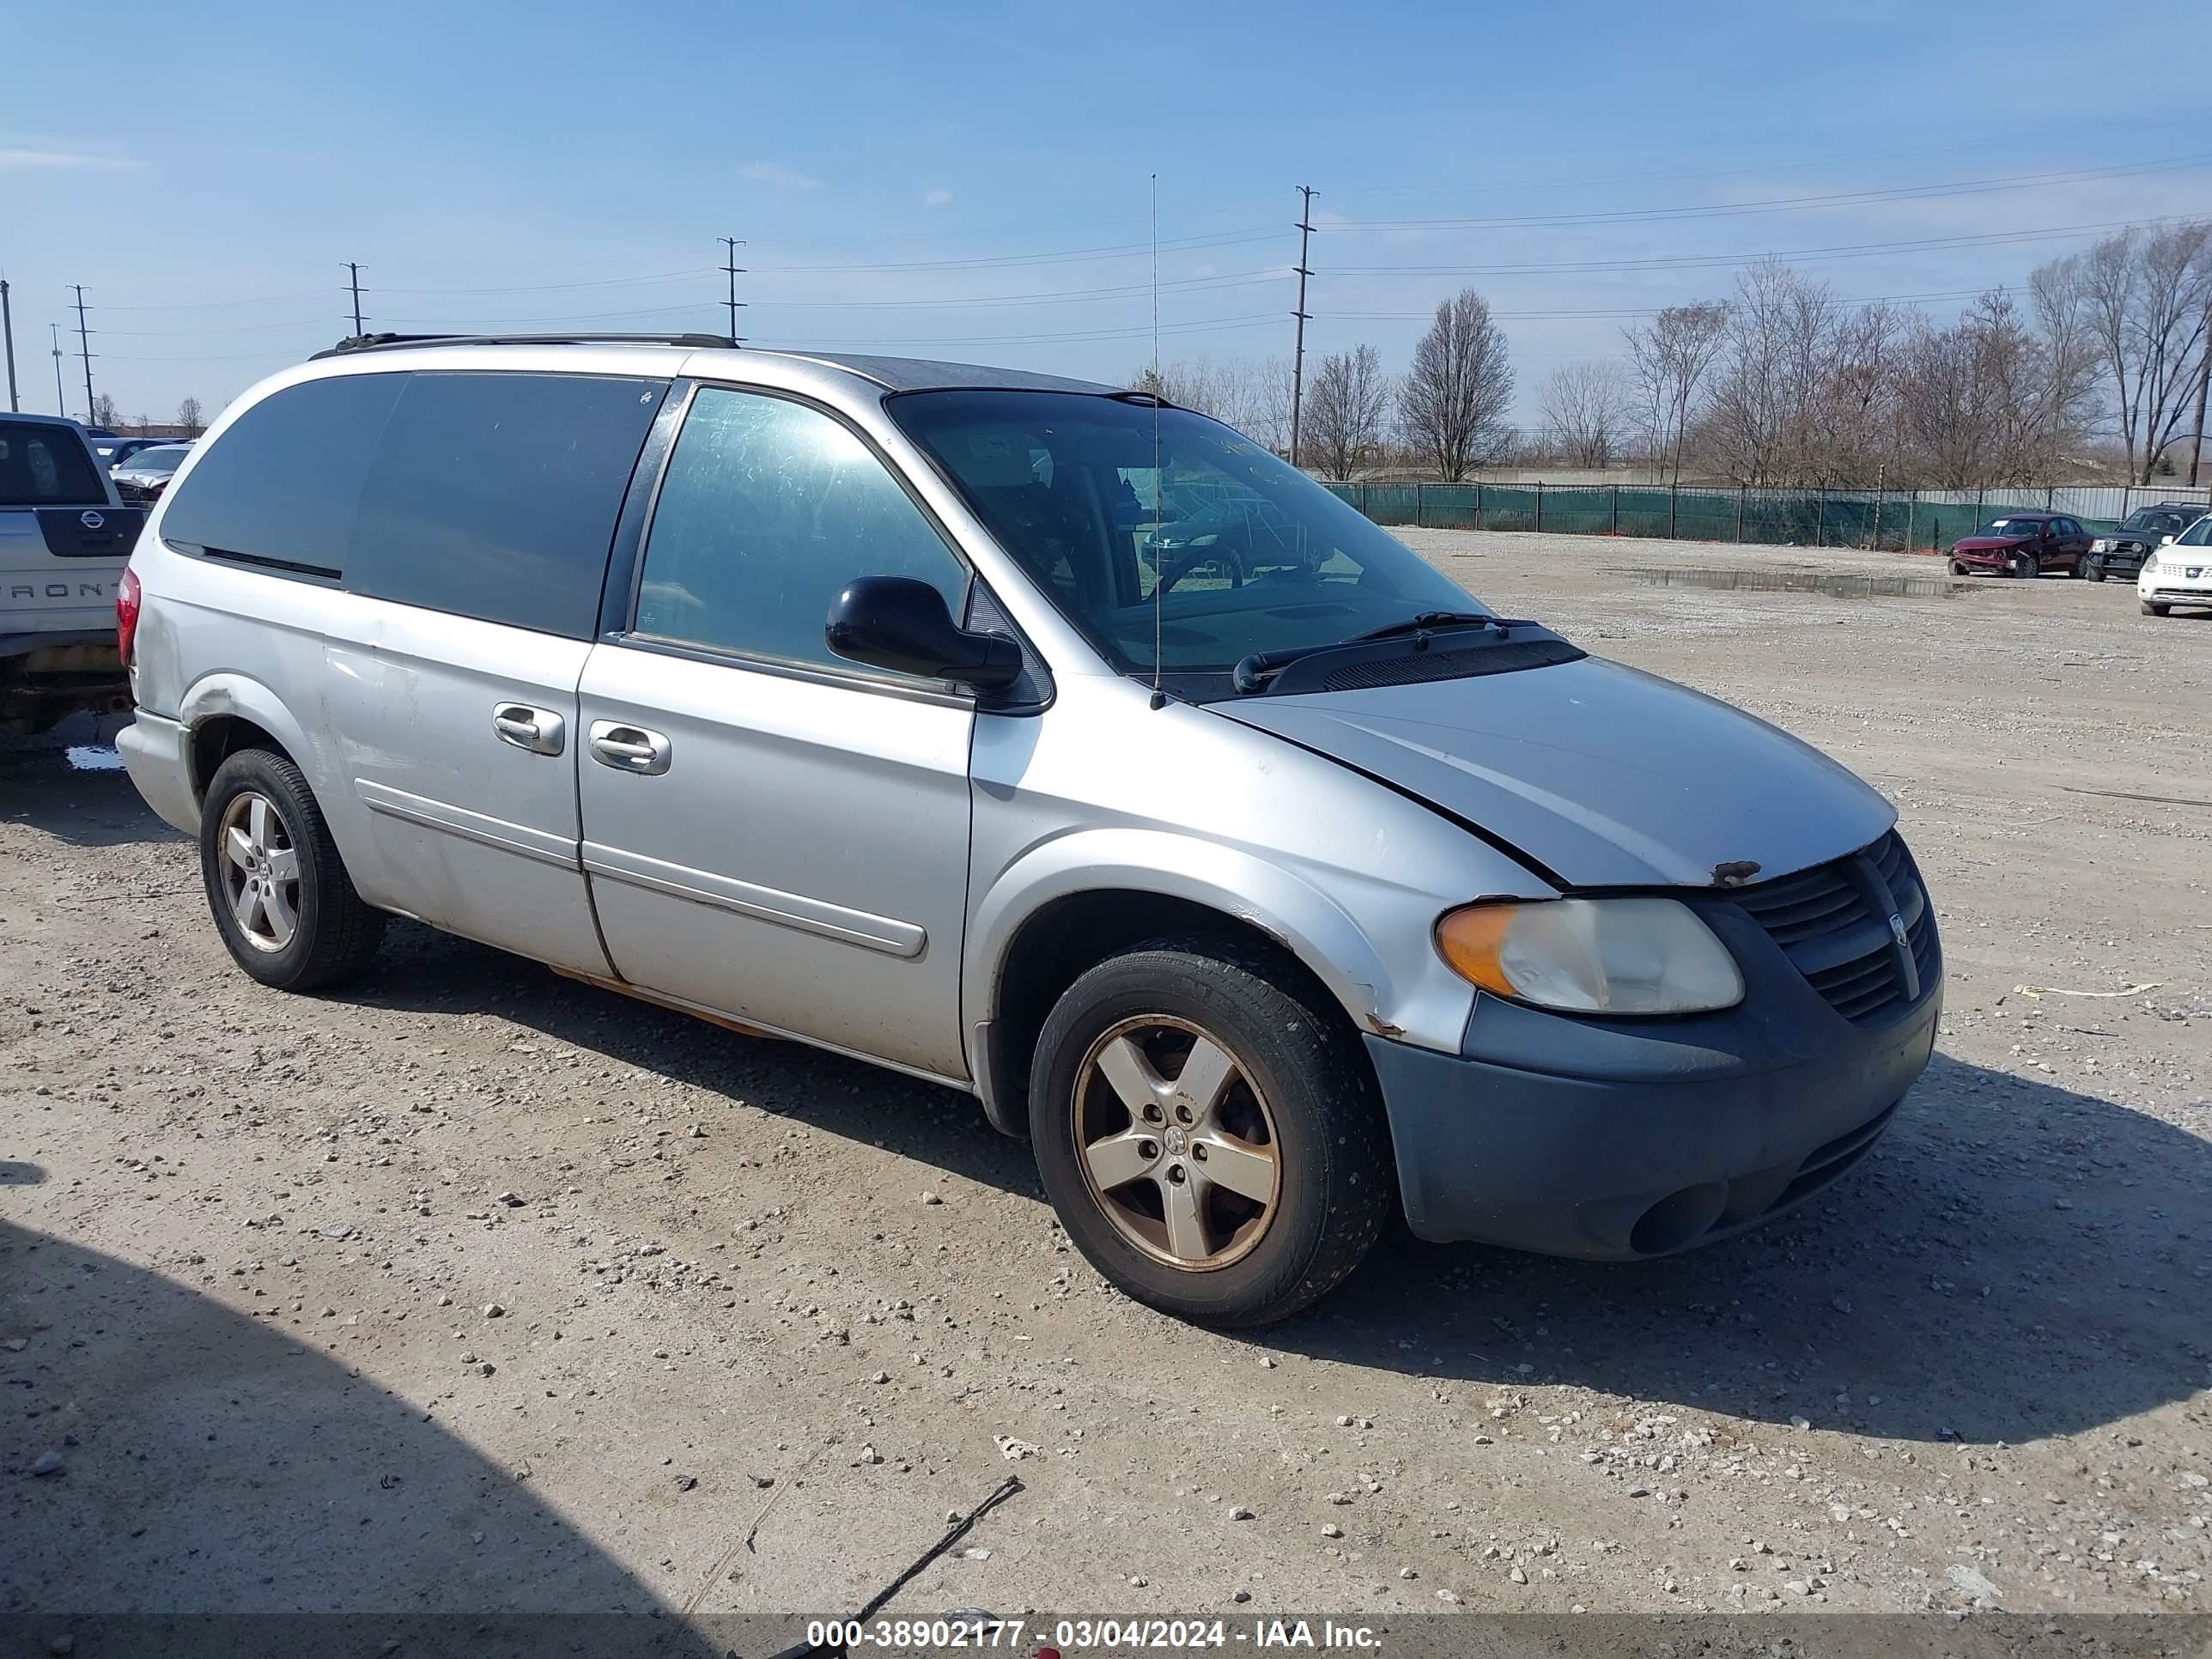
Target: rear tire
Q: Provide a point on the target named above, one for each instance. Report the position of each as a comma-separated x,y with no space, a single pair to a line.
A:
1295,1125
276,885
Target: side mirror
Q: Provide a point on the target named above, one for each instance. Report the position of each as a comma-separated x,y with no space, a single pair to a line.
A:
899,624
2165,541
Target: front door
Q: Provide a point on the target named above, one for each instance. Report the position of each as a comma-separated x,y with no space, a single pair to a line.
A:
771,831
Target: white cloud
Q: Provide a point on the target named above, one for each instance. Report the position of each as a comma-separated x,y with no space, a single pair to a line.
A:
775,173
936,197
60,158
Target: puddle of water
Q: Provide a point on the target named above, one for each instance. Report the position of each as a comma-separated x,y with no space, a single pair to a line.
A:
86,758
1839,585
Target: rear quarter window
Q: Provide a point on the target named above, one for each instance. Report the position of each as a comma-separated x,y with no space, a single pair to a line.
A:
494,495
282,482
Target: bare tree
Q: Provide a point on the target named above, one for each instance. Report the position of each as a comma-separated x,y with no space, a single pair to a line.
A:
1453,401
103,412
1669,359
1251,394
1345,408
1586,409
188,416
2145,296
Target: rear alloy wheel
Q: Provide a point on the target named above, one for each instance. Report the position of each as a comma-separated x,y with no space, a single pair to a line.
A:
278,888
1207,1130
2025,566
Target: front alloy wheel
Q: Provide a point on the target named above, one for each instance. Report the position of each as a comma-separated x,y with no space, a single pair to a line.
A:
1179,1148
1207,1126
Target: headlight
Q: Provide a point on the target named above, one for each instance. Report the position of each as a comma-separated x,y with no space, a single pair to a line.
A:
1614,955
2100,545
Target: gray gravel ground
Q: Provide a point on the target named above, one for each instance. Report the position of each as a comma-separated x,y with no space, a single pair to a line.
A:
473,1288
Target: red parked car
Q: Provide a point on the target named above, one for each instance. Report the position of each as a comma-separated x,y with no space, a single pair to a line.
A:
2023,544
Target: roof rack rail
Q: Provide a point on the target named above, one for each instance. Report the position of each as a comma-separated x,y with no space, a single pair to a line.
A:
388,341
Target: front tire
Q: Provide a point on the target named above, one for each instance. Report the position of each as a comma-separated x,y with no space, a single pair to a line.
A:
1959,568
2151,609
2025,566
2093,570
1207,1128
278,891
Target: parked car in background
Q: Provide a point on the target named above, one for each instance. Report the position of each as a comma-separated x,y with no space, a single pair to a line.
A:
65,534
113,451
143,478
2180,573
826,697
2023,545
2141,534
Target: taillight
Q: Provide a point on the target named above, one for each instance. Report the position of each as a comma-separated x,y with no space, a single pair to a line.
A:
126,614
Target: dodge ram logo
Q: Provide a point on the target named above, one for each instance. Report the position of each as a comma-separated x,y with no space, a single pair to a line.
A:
1897,930
92,520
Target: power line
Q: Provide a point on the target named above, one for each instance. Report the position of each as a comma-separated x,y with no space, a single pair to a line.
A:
1781,205
1839,251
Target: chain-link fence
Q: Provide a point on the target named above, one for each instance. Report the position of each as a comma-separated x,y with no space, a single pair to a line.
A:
1906,521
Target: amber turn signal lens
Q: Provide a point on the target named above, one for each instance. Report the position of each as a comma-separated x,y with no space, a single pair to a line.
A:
1470,939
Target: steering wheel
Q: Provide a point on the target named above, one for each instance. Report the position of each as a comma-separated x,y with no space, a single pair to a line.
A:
1221,552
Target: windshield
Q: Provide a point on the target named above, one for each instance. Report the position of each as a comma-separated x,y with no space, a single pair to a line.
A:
42,465
166,460
2154,523
2012,527
1250,555
2198,535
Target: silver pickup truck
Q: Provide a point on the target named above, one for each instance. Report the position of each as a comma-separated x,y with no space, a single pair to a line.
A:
65,535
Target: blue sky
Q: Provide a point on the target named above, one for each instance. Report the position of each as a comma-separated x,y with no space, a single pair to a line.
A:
908,175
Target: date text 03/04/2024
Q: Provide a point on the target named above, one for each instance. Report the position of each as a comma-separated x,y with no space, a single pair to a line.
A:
1053,1637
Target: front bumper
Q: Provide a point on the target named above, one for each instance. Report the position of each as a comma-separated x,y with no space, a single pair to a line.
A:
1617,1140
1984,559
157,754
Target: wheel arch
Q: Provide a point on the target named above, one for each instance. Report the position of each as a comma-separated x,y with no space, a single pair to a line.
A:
223,713
1079,902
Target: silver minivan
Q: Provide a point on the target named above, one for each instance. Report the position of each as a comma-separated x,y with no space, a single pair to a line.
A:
1042,740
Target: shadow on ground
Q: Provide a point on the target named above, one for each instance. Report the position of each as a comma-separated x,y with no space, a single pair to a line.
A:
2014,1261
69,783
209,1463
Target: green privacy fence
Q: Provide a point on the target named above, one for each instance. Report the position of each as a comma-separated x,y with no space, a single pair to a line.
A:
1906,520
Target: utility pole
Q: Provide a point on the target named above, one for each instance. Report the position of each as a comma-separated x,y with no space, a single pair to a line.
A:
353,280
84,350
735,271
61,404
8,328
1299,350
2203,385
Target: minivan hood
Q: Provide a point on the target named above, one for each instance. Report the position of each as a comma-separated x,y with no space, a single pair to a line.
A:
1607,776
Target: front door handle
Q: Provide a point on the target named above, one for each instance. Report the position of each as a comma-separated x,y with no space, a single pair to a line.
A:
540,731
629,748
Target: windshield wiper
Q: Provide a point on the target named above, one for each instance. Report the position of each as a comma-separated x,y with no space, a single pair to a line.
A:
1254,671
1426,621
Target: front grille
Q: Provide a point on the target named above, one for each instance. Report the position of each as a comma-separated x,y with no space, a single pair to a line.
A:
1832,922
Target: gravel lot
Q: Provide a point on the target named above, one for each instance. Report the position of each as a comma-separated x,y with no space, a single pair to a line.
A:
476,1289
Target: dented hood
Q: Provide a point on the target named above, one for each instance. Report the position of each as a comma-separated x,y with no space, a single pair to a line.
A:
1604,775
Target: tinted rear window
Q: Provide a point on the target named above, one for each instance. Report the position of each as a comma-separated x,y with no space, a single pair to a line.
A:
45,465
495,495
284,482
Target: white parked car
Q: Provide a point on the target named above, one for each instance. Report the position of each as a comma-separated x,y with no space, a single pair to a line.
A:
2180,573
